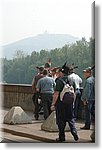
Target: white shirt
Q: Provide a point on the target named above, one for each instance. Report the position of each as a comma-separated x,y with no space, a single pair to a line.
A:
76,79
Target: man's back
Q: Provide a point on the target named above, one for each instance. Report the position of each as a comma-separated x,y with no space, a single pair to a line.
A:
46,85
37,77
89,89
76,79
35,80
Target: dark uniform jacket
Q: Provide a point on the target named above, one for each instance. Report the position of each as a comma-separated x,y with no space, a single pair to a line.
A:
63,111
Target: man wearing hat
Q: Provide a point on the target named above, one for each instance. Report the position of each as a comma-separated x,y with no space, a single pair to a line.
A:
88,96
64,112
53,72
36,94
46,87
47,65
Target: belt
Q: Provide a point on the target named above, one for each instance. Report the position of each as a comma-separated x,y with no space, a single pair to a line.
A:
77,88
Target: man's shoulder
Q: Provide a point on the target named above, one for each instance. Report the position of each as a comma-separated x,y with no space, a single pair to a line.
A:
75,75
38,77
49,78
46,78
64,77
90,79
59,80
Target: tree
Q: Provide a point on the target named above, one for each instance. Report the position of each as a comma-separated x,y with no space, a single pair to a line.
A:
23,67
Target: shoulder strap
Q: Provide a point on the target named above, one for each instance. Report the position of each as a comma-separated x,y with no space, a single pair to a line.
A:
63,81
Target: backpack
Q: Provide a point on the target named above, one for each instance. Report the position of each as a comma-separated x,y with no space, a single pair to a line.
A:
67,95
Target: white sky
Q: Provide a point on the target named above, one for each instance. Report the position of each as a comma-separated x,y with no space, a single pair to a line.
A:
26,18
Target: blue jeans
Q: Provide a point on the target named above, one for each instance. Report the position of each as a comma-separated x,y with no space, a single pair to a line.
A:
88,117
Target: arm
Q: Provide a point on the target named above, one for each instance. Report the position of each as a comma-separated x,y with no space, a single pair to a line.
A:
55,97
38,87
33,85
80,81
58,88
54,84
85,91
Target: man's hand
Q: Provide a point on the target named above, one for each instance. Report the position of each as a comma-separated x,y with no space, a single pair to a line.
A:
52,108
85,102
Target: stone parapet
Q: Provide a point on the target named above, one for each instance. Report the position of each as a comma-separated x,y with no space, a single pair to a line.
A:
21,95
17,95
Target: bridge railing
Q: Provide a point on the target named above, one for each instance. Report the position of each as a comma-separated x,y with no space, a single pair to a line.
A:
17,95
21,95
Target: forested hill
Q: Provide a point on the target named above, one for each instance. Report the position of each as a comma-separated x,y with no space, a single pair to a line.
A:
22,68
42,41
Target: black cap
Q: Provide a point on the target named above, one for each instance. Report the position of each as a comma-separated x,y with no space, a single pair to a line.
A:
41,68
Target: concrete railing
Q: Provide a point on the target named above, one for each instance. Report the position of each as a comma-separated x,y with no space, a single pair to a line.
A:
21,95
17,95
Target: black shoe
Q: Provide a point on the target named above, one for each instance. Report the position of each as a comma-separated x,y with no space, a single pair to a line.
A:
76,138
41,112
85,128
36,117
60,140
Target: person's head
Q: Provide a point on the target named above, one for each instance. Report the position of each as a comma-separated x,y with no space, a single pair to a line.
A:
40,69
58,73
48,64
72,68
45,72
65,70
87,72
53,71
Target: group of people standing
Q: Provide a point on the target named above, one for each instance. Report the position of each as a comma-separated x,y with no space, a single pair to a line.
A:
47,85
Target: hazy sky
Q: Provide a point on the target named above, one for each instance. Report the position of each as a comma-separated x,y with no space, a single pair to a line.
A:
26,18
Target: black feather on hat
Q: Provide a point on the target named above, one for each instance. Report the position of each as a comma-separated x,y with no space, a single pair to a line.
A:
64,65
65,69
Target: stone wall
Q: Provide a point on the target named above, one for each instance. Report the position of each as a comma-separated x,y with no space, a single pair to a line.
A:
17,95
21,95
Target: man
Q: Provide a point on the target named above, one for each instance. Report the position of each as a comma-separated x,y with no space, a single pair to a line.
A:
64,112
53,73
37,94
47,65
78,82
88,96
46,87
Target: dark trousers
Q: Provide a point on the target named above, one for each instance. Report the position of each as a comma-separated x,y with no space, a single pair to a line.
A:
47,101
77,103
61,127
64,114
36,104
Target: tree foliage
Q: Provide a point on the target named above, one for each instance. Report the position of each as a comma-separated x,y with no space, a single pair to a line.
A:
22,68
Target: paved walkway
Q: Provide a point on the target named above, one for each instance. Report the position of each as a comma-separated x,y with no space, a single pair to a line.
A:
34,131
